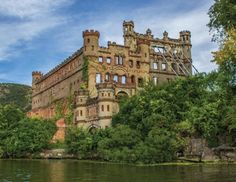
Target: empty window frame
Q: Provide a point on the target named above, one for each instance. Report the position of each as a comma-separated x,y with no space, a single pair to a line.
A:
174,67
132,79
123,79
107,77
98,78
100,59
163,67
119,60
108,60
108,107
115,78
138,64
140,82
155,65
131,63
155,80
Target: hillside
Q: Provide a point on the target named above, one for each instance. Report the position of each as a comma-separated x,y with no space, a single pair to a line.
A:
17,94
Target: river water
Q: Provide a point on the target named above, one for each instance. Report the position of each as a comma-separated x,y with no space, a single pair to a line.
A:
73,170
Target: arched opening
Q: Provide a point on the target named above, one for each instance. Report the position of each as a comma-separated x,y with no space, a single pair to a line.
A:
92,129
122,95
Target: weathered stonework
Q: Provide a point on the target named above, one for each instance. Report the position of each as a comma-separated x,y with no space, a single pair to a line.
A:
110,72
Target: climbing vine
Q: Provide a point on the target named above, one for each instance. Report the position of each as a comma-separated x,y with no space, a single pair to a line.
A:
85,69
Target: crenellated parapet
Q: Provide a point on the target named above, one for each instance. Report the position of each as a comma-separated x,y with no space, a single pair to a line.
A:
36,75
91,33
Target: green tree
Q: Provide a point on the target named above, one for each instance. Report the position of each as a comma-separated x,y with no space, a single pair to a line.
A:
222,17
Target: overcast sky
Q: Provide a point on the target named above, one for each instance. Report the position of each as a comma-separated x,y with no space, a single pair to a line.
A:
39,34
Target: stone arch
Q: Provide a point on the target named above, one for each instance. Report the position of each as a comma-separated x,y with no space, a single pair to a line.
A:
121,94
92,128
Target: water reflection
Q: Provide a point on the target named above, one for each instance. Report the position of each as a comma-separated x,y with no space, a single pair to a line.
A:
73,170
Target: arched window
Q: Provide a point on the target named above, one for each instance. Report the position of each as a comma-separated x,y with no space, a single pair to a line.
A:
123,79
132,79
115,78
131,64
98,78
107,77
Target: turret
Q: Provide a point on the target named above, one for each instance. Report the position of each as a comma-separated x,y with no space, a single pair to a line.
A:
144,45
185,38
129,35
105,99
81,100
149,33
91,42
165,35
36,75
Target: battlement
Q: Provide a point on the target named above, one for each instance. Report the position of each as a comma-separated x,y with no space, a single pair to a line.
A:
131,23
37,73
185,32
91,33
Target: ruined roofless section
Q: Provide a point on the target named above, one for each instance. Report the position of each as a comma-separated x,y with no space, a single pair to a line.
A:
98,76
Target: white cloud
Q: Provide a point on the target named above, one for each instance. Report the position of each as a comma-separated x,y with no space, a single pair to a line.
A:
29,8
32,18
159,18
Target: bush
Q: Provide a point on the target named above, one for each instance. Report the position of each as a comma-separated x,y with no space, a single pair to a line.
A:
21,136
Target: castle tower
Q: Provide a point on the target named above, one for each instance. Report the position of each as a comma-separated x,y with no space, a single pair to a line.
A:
143,47
91,42
185,38
129,35
36,75
106,103
80,113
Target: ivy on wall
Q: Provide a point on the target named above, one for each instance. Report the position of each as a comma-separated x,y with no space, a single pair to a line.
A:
85,69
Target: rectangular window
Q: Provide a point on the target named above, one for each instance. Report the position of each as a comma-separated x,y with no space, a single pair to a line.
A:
155,80
108,108
98,78
117,59
81,113
138,64
140,82
155,66
163,66
115,78
108,60
130,63
121,60
100,59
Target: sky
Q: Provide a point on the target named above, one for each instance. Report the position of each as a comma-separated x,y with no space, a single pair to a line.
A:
36,35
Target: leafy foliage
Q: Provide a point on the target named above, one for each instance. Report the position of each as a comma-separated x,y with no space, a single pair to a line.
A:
222,17
20,136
